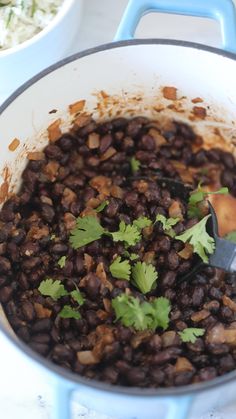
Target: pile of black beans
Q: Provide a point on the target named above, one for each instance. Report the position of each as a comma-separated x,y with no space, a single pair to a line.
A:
72,176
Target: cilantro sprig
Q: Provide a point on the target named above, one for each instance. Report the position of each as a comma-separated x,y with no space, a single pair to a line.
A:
62,261
69,312
120,269
56,290
142,222
135,165
127,233
167,224
144,276
87,230
53,289
198,196
142,316
197,236
190,334
101,207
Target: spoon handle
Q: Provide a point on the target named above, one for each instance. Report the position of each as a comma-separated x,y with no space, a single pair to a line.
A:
224,256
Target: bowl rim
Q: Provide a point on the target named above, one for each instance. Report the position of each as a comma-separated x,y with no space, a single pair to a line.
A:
64,8
69,378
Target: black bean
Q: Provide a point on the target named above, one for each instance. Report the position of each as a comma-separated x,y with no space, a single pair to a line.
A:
110,374
41,338
59,248
105,143
123,334
215,293
183,378
147,143
226,313
228,160
93,286
28,311
200,158
23,333
42,325
52,151
29,248
112,208
47,212
62,353
41,348
218,349
196,347
168,279
127,353
5,265
207,373
173,260
157,376
92,318
65,142
5,294
31,263
167,355
164,244
198,296
155,343
136,376
227,179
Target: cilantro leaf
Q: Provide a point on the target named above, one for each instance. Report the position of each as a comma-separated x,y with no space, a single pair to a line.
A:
231,236
191,334
53,289
135,165
62,261
197,196
167,223
87,230
128,309
144,276
120,269
101,207
131,256
127,233
69,312
141,316
142,222
198,237
77,296
162,309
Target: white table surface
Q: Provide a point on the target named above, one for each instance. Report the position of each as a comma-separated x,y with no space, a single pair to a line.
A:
24,392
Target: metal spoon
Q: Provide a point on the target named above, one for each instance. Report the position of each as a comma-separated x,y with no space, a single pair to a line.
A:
224,256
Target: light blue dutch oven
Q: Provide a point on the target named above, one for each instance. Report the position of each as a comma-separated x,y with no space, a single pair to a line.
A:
126,70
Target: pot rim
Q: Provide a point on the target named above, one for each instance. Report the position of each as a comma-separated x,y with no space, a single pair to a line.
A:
61,372
55,21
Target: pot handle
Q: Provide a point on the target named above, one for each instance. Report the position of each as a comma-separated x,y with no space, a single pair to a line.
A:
61,405
221,10
178,408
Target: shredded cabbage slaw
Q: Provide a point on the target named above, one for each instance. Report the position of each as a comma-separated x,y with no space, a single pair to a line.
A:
22,19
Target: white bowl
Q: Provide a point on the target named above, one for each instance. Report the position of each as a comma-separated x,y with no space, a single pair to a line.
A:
20,63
